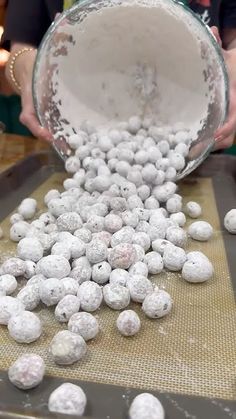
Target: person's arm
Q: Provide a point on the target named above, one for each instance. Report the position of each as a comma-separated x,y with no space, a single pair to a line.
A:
21,82
25,25
225,135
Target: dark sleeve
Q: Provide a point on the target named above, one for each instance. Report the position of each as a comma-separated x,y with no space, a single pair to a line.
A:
228,14
26,22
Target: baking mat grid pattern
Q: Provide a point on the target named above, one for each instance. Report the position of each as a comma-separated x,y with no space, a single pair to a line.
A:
192,351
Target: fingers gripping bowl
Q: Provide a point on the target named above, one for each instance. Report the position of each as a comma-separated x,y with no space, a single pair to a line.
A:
104,61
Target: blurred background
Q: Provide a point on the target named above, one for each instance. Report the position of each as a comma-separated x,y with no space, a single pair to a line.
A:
10,105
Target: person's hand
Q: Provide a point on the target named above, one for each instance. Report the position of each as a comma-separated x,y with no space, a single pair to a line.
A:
224,136
28,116
23,71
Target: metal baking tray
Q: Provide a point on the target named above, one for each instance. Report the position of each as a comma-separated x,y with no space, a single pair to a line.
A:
110,401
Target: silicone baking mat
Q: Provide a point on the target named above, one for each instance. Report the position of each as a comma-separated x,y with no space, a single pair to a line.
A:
190,352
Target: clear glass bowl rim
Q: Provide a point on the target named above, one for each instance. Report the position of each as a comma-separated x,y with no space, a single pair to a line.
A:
193,15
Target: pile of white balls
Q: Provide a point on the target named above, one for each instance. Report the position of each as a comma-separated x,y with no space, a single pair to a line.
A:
118,220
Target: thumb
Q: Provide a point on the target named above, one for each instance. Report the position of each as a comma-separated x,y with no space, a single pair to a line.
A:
216,34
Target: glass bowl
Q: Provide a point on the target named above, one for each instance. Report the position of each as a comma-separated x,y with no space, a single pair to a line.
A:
104,61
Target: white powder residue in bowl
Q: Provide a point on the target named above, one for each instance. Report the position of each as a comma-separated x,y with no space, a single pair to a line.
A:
134,58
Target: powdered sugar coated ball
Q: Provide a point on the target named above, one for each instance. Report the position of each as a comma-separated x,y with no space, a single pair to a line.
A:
193,209
230,221
115,136
66,307
8,283
14,266
182,148
69,184
70,286
139,268
27,371
197,268
96,251
82,270
200,230
162,165
130,218
178,218
67,347
139,287
51,291
77,247
30,268
122,256
177,161
25,327
170,174
140,253
72,164
122,236
157,304
151,203
159,245
119,277
47,241
29,296
128,323
30,249
146,406
9,306
54,266
95,223
127,189
85,324
36,280
101,272
83,234
134,176
118,204
143,192
59,206
51,194
18,230
90,295
174,257
164,147
104,236
134,202
47,218
112,223
27,208
67,399
163,192
76,140
69,221
154,262
176,236
61,249
173,205
142,213
142,239
15,218
134,124
149,173
116,296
